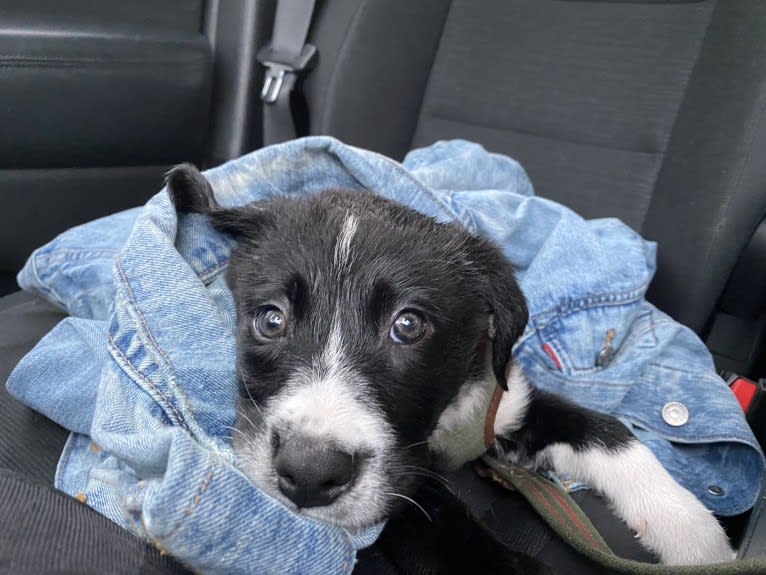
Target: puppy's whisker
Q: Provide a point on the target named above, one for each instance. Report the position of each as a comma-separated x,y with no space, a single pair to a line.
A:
242,433
446,486
453,431
243,381
246,418
424,473
255,405
412,501
411,445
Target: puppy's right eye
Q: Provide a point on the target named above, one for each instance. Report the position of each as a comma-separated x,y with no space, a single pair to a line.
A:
408,327
269,323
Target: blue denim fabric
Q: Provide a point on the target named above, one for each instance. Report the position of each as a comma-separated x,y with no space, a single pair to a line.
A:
143,373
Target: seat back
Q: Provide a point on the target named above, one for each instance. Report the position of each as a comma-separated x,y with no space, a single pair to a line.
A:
648,111
96,101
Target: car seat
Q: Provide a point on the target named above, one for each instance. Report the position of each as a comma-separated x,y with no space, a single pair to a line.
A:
646,110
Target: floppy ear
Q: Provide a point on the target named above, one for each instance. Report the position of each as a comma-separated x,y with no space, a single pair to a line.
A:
190,192
506,303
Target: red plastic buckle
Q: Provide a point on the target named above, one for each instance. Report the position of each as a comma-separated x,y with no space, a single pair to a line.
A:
744,390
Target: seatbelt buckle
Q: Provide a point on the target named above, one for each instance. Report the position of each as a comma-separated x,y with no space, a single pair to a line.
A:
751,396
278,64
748,393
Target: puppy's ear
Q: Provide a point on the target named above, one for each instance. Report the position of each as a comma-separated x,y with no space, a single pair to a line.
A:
506,303
190,192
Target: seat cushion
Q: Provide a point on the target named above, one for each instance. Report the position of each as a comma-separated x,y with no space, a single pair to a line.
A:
45,531
30,444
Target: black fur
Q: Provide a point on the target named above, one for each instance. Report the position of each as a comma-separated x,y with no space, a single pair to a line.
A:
400,260
551,419
448,542
460,279
189,190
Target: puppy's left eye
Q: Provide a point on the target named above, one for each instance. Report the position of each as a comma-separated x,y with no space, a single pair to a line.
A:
408,327
269,323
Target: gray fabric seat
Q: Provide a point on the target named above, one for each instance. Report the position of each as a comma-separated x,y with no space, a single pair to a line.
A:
647,110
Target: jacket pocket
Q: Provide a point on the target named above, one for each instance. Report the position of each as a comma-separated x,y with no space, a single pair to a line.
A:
590,340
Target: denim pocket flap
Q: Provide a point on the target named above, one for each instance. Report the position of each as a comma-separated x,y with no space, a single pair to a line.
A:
687,406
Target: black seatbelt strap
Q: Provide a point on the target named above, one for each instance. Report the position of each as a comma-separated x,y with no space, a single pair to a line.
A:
566,518
285,57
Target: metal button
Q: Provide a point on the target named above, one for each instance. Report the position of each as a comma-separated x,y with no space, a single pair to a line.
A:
675,413
607,353
715,490
605,356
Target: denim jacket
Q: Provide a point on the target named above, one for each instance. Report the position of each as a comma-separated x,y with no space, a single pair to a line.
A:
143,372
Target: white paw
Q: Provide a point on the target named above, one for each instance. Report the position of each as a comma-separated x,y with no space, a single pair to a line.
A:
666,518
683,532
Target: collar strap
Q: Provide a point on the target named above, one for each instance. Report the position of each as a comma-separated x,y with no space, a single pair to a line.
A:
497,395
489,422
469,431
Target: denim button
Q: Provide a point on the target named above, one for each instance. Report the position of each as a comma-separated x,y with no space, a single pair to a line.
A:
715,490
675,413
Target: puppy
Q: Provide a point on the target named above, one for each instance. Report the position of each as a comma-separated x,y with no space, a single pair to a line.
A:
367,334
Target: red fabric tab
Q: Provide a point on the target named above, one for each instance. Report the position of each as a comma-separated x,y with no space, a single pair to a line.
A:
552,354
744,390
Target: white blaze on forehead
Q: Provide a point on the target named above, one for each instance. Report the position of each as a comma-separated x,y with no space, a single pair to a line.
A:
332,361
343,245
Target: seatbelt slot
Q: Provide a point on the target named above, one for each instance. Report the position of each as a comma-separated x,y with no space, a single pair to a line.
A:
279,63
285,57
745,391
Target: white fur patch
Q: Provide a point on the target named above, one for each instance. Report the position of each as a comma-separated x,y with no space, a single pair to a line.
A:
459,433
513,404
342,256
666,518
319,403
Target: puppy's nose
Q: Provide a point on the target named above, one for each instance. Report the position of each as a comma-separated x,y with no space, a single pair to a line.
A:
312,475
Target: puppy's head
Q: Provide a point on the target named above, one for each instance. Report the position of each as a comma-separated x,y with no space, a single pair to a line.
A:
359,322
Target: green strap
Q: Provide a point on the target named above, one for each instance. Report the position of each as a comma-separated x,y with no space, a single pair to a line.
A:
566,518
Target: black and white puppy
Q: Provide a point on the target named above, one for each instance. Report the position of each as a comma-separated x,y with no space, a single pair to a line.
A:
367,334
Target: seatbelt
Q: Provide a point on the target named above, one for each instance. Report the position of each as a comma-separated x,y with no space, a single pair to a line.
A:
566,518
285,57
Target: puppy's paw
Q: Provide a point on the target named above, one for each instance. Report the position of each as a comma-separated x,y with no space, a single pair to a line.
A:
667,519
683,532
